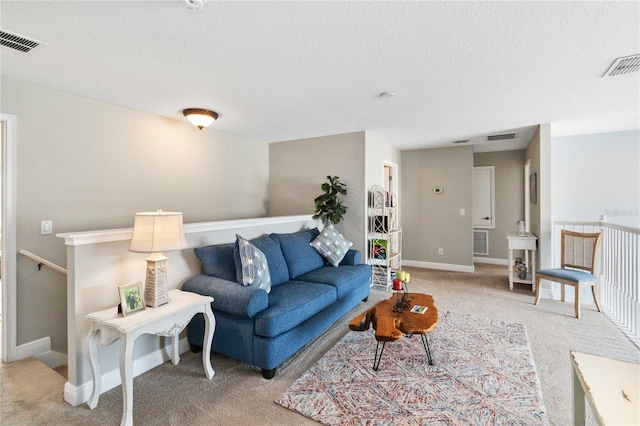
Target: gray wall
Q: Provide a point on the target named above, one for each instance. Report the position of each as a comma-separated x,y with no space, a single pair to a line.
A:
509,196
89,165
432,221
539,152
299,167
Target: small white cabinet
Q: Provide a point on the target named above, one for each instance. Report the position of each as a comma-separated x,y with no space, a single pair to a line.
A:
527,243
384,237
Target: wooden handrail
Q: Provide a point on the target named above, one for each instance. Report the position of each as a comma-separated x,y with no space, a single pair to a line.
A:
42,261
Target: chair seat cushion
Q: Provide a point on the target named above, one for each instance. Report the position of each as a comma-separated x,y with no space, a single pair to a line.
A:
568,274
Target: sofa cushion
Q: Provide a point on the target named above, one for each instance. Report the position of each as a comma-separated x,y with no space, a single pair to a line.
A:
217,261
270,246
292,303
299,255
345,278
255,270
331,245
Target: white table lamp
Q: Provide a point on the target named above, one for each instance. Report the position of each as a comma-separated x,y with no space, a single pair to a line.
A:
154,232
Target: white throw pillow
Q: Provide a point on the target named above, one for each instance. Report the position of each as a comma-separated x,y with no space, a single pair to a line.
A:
255,270
331,245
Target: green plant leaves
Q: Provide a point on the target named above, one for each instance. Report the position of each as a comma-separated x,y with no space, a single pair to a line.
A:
328,206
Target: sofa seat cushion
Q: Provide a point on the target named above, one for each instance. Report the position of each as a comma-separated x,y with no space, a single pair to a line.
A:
270,247
344,278
299,255
292,303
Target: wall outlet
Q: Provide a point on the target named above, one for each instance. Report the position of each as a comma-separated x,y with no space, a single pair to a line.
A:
463,212
438,190
440,251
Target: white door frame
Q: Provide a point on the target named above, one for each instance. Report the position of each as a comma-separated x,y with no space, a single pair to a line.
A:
9,250
527,193
394,175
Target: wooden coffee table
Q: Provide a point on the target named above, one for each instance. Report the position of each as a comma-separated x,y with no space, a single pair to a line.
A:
391,323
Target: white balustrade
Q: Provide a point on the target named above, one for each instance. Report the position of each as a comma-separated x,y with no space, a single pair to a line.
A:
619,284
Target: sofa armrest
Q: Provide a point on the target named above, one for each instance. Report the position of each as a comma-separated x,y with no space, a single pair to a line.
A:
351,258
229,296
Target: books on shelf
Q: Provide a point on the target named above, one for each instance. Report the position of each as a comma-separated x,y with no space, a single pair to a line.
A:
379,248
419,309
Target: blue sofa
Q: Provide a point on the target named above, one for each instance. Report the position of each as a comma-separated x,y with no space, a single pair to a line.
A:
307,296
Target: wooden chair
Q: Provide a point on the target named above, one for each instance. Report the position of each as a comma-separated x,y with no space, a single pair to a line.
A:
579,258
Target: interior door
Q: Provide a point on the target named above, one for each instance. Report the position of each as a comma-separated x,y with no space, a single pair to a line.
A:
484,197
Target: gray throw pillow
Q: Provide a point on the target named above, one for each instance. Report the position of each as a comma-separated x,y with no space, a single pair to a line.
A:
331,245
255,270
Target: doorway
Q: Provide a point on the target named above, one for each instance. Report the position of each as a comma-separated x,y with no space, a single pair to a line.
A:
484,203
390,178
8,245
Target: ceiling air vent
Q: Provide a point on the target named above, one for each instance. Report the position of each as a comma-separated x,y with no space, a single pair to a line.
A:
465,141
18,42
503,137
624,65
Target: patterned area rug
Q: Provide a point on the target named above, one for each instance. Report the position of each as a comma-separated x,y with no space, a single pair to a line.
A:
483,374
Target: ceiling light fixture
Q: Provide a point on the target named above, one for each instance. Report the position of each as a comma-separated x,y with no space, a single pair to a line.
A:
199,117
386,94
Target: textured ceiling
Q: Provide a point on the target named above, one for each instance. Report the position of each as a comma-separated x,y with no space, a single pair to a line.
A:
286,70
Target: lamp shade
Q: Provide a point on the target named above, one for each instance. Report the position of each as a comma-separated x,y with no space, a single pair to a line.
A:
154,232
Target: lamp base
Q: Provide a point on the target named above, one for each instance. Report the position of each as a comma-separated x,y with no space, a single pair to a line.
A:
155,288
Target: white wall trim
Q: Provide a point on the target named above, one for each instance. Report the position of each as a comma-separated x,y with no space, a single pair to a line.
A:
76,395
112,235
443,266
490,261
34,348
9,244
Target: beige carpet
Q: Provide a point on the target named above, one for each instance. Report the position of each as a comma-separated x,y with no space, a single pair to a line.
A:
238,395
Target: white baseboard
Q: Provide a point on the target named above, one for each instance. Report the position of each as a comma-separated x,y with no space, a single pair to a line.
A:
442,266
76,395
34,348
491,261
41,349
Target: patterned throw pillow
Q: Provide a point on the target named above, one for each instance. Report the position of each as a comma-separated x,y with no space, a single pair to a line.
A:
255,270
331,245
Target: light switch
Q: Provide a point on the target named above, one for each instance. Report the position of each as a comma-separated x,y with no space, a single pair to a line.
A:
462,212
46,227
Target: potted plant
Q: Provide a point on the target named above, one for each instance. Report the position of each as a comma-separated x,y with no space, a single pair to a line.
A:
329,207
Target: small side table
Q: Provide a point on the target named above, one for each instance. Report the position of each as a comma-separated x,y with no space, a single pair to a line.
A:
527,243
165,320
612,388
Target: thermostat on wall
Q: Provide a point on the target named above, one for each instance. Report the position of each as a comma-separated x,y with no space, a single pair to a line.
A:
438,190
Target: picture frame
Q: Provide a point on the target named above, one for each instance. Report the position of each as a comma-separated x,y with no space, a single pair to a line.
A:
533,188
131,298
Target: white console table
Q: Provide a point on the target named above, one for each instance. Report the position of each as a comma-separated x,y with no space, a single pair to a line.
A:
612,388
528,243
166,320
